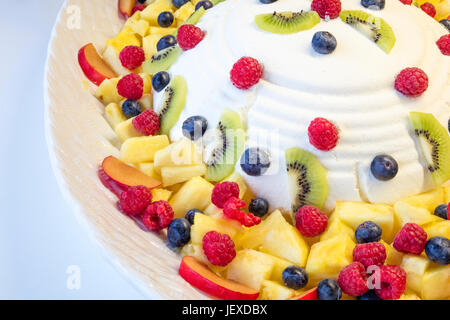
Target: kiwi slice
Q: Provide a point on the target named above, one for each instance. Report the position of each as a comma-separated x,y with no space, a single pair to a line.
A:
193,18
173,103
308,183
375,28
434,142
287,22
162,60
230,147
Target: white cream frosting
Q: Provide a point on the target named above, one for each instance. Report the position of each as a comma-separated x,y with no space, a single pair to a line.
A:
352,87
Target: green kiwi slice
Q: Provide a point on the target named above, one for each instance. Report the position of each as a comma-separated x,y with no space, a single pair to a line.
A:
375,28
162,60
434,142
308,182
193,18
287,22
173,103
230,147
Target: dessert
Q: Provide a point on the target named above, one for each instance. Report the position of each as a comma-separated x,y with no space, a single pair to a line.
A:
292,149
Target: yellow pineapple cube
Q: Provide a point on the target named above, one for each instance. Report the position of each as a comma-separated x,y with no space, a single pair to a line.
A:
153,10
393,256
147,78
174,175
196,251
139,26
271,290
111,57
181,153
162,31
194,194
213,211
204,224
125,130
447,194
107,91
126,37
184,12
429,200
438,229
436,283
405,213
149,169
149,44
335,228
114,115
142,149
161,194
278,268
146,101
415,268
409,295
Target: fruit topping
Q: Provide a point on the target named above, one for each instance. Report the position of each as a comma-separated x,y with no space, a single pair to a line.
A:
442,211
134,201
368,232
224,191
132,57
160,81
189,36
307,179
179,3
323,134
172,104
194,18
246,72
287,22
191,215
126,7
205,4
194,127
158,216
147,123
259,207
179,232
162,60
231,211
219,248
324,42
295,277
131,108
370,254
255,161
93,66
267,1
328,289
429,9
392,282
373,4
438,250
410,239
384,167
166,42
352,279
445,23
138,7
411,82
131,86
165,19
369,295
310,221
408,2
444,44
327,9
375,28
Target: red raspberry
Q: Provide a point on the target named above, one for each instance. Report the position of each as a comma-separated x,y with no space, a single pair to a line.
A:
231,211
324,8
189,36
147,123
135,200
353,279
429,9
392,281
444,44
224,191
132,57
158,215
410,239
406,1
138,7
323,134
411,82
218,248
310,221
370,254
246,72
131,86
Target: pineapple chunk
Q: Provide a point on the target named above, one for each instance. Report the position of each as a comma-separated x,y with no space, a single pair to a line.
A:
354,213
114,115
213,211
161,194
139,26
335,228
162,31
203,224
147,82
194,194
126,37
142,149
327,258
415,268
149,169
393,256
184,12
111,57
181,153
278,268
429,200
174,175
447,194
107,91
146,101
271,290
149,44
436,283
250,268
405,213
236,177
125,130
438,229
153,10
409,295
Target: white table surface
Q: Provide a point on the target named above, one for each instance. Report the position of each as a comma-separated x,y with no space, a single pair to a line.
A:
39,235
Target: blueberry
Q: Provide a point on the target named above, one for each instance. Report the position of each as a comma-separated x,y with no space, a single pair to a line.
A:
255,161
141,1
373,4
259,207
445,23
165,42
191,214
441,211
438,250
368,232
328,289
369,295
294,277
179,3
206,4
384,167
160,80
194,127
131,108
267,1
179,232
165,19
324,42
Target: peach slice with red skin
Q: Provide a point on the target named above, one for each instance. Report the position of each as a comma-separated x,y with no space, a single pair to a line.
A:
117,176
308,295
93,66
126,7
202,278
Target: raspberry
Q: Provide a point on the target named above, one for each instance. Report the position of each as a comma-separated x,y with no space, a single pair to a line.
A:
135,200
429,9
310,221
353,279
158,215
147,123
224,191
411,82
410,239
370,254
444,44
138,7
246,72
132,57
131,86
323,134
392,281
406,1
189,36
324,8
218,248
231,211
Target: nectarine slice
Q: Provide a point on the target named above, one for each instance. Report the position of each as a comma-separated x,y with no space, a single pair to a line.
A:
93,66
202,278
126,7
308,295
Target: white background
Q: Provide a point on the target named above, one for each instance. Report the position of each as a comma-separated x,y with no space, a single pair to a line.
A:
39,235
